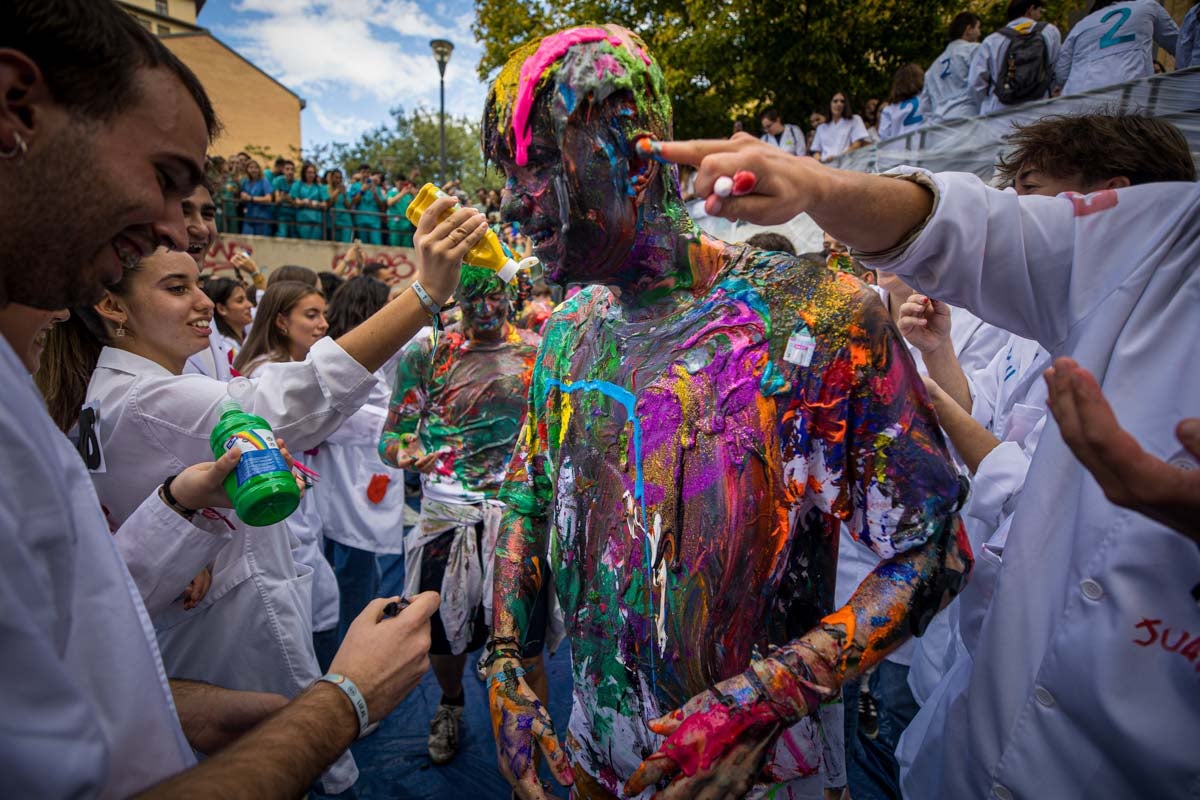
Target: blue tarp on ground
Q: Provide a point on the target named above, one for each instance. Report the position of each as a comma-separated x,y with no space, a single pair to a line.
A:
394,763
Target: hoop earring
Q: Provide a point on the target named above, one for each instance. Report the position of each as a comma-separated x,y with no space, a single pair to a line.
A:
18,150
120,331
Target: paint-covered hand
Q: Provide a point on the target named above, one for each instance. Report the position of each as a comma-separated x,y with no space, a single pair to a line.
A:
925,323
520,722
784,185
717,742
1129,476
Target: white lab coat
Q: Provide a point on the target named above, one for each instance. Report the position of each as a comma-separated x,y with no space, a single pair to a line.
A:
1062,701
1114,45
988,60
215,361
834,138
253,630
86,705
308,549
1009,400
351,469
946,84
1187,49
897,119
790,141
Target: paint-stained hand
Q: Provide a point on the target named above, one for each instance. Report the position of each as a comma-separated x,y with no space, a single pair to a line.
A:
520,722
715,746
925,323
785,184
1129,476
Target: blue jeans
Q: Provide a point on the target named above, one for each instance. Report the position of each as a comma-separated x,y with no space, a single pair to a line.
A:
871,764
358,581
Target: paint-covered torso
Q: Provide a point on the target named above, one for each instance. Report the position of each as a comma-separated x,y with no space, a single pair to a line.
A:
465,396
693,479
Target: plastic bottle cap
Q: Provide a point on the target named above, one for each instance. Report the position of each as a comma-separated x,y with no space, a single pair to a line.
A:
240,390
509,271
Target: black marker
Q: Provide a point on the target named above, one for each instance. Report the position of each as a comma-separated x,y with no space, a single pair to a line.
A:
394,608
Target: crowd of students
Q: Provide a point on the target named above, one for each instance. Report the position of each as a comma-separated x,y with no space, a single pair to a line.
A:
146,622
1023,61
304,203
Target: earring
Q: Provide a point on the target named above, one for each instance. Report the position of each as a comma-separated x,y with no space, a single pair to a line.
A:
120,331
18,150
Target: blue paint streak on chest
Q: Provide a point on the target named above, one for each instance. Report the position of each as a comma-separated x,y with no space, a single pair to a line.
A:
626,399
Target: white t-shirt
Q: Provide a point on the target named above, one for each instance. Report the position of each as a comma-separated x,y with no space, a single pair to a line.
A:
834,138
897,119
791,140
946,83
1114,45
988,60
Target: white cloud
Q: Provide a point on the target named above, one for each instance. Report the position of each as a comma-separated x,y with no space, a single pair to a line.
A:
340,126
361,56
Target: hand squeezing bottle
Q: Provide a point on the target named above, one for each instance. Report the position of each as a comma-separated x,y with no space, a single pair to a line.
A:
487,253
262,487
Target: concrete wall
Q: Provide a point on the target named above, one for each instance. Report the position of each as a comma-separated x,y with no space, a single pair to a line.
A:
255,110
269,252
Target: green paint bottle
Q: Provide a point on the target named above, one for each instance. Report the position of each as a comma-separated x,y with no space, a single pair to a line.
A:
262,488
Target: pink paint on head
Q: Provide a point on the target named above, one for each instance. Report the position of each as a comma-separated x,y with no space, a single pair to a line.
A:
551,49
608,64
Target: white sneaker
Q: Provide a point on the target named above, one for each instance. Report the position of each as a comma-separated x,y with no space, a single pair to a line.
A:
481,666
443,733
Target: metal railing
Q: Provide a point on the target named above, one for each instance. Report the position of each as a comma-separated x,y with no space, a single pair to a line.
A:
973,144
365,226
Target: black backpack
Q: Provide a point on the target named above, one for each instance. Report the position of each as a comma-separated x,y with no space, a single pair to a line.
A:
1025,70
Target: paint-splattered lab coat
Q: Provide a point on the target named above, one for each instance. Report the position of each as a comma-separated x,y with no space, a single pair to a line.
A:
1086,681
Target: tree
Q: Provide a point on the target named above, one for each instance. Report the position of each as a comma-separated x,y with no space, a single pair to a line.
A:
412,141
727,60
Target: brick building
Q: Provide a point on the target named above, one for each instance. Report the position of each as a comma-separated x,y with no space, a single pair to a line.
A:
257,111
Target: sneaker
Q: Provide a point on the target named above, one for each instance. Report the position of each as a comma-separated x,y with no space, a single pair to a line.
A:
481,666
443,733
868,715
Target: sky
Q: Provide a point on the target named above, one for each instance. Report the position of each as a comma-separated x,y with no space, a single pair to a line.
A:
353,60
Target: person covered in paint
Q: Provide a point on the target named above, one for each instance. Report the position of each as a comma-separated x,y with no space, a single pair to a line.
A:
1084,672
454,416
702,420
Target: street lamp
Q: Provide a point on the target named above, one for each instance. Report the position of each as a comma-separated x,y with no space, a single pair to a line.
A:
441,53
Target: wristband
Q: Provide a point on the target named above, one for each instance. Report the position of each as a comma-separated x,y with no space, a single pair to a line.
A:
175,505
356,700
425,300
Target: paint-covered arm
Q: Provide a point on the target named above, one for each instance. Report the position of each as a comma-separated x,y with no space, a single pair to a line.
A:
862,442
519,720
409,395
